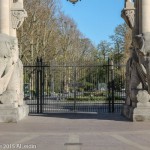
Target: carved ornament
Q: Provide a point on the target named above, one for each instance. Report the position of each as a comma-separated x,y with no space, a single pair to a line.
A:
18,16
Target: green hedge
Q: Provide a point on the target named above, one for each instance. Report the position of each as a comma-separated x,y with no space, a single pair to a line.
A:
95,94
88,99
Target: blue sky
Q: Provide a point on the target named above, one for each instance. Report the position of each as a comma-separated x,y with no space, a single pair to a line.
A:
96,19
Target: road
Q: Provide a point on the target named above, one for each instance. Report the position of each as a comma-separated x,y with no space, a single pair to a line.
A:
50,106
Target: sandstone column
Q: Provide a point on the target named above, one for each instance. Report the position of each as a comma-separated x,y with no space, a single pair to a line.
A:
4,16
145,20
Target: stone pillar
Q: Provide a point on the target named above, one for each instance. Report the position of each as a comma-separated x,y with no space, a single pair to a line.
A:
12,106
137,17
12,31
4,16
137,106
20,3
139,14
145,20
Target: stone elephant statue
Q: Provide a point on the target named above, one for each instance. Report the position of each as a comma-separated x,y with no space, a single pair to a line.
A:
138,69
11,71
11,68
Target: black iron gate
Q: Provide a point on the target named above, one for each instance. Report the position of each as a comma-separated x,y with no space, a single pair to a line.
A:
59,87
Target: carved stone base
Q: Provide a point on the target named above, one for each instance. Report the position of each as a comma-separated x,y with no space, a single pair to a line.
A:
139,114
11,113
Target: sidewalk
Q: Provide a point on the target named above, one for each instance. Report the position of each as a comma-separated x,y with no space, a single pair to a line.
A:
75,131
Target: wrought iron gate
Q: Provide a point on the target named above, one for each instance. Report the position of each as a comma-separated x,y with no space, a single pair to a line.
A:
59,87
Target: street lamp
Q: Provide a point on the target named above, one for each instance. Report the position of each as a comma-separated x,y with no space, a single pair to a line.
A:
73,1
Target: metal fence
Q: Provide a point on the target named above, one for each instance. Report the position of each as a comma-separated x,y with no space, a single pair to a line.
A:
65,88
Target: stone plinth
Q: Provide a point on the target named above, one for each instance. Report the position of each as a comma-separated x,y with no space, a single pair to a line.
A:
11,113
141,112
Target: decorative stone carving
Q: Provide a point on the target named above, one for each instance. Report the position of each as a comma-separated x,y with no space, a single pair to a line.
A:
10,71
144,39
129,16
17,14
11,84
137,106
128,13
12,107
135,77
18,17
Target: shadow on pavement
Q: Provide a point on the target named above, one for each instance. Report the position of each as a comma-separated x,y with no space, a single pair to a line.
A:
99,116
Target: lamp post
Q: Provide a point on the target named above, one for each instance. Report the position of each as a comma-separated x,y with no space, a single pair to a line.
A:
73,1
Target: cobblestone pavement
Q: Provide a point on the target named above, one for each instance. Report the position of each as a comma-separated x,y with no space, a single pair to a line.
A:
75,132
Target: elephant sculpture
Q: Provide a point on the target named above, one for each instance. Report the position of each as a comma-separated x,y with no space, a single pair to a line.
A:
11,68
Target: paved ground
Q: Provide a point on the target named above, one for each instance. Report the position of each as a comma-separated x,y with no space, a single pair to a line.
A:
75,132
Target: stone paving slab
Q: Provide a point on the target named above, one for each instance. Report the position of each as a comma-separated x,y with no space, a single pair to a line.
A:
76,132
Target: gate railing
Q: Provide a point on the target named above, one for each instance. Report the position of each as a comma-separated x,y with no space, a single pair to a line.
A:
73,87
